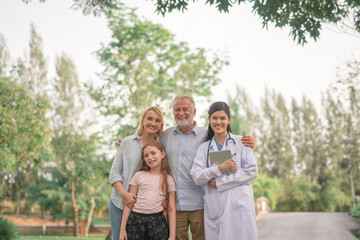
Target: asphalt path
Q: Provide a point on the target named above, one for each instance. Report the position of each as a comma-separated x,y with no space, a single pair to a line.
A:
307,226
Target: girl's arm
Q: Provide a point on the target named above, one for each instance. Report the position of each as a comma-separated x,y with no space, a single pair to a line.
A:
126,214
172,215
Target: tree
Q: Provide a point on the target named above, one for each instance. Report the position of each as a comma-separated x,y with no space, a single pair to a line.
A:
34,66
243,113
274,147
145,66
270,188
4,57
308,140
67,143
304,18
24,137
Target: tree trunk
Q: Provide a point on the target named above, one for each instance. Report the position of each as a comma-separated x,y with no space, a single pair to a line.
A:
88,223
75,209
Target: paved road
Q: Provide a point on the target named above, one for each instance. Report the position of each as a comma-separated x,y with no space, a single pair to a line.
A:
307,226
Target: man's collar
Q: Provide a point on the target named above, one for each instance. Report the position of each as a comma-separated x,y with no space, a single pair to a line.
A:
194,130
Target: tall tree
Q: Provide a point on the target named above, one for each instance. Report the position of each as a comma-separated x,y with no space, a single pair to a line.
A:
145,66
4,57
277,158
34,66
67,106
243,113
24,137
308,139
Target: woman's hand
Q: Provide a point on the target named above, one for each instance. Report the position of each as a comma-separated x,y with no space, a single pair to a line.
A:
123,234
129,199
228,166
212,183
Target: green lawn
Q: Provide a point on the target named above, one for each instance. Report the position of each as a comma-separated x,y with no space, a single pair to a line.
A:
103,221
61,238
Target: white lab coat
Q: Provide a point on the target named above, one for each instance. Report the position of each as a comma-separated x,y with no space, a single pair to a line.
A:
229,211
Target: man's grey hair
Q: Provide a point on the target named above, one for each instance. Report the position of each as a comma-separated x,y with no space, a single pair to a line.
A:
184,97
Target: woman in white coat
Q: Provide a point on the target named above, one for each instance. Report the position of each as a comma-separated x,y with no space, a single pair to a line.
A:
229,211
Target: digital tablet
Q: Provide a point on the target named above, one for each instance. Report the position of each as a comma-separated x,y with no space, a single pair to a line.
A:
219,156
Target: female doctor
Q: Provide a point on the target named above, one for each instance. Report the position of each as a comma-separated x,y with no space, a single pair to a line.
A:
229,211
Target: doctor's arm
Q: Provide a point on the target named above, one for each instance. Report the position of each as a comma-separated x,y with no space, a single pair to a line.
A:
200,173
244,175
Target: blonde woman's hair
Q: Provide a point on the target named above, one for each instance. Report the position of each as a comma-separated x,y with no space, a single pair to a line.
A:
157,110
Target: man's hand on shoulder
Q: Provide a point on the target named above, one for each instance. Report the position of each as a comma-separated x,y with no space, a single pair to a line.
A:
119,142
248,141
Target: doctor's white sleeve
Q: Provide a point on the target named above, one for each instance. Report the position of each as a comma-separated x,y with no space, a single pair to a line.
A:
200,173
245,174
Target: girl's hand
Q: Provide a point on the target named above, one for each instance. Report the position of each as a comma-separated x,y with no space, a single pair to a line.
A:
212,183
228,166
129,199
123,235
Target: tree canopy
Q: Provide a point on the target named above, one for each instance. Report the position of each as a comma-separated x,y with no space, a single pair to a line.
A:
304,18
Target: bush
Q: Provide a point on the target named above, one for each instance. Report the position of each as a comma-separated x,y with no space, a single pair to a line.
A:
8,231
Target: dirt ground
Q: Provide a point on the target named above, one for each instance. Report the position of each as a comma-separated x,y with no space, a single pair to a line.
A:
22,220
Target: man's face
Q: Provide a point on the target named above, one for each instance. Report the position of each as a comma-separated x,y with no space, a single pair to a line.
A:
183,113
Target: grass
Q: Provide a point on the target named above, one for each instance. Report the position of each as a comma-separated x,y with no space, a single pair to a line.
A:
100,237
103,221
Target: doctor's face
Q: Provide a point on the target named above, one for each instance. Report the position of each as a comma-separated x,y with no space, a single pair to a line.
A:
218,122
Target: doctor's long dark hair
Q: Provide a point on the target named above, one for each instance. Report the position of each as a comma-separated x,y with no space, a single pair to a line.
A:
217,106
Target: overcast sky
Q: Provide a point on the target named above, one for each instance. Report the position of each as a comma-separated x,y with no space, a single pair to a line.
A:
257,56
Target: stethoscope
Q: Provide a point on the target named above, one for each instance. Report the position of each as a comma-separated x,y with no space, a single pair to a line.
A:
226,144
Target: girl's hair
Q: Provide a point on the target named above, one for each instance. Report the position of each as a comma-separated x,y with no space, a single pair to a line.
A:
164,166
140,130
217,106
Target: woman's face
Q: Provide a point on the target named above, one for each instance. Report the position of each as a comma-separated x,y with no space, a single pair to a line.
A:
218,122
152,122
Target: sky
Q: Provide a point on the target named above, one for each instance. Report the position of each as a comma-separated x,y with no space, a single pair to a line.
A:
258,56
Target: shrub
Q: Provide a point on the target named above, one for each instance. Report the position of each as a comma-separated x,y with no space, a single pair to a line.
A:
8,231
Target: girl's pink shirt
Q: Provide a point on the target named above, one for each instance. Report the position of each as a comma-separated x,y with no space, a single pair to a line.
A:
149,196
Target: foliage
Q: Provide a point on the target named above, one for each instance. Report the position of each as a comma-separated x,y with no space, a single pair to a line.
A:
276,155
270,188
298,195
303,18
97,237
145,66
355,213
8,231
24,136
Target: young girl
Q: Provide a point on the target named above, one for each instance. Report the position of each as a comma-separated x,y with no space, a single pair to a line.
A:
229,211
152,186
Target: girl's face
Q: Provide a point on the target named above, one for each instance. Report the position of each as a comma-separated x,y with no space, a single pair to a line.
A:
153,156
219,121
152,122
